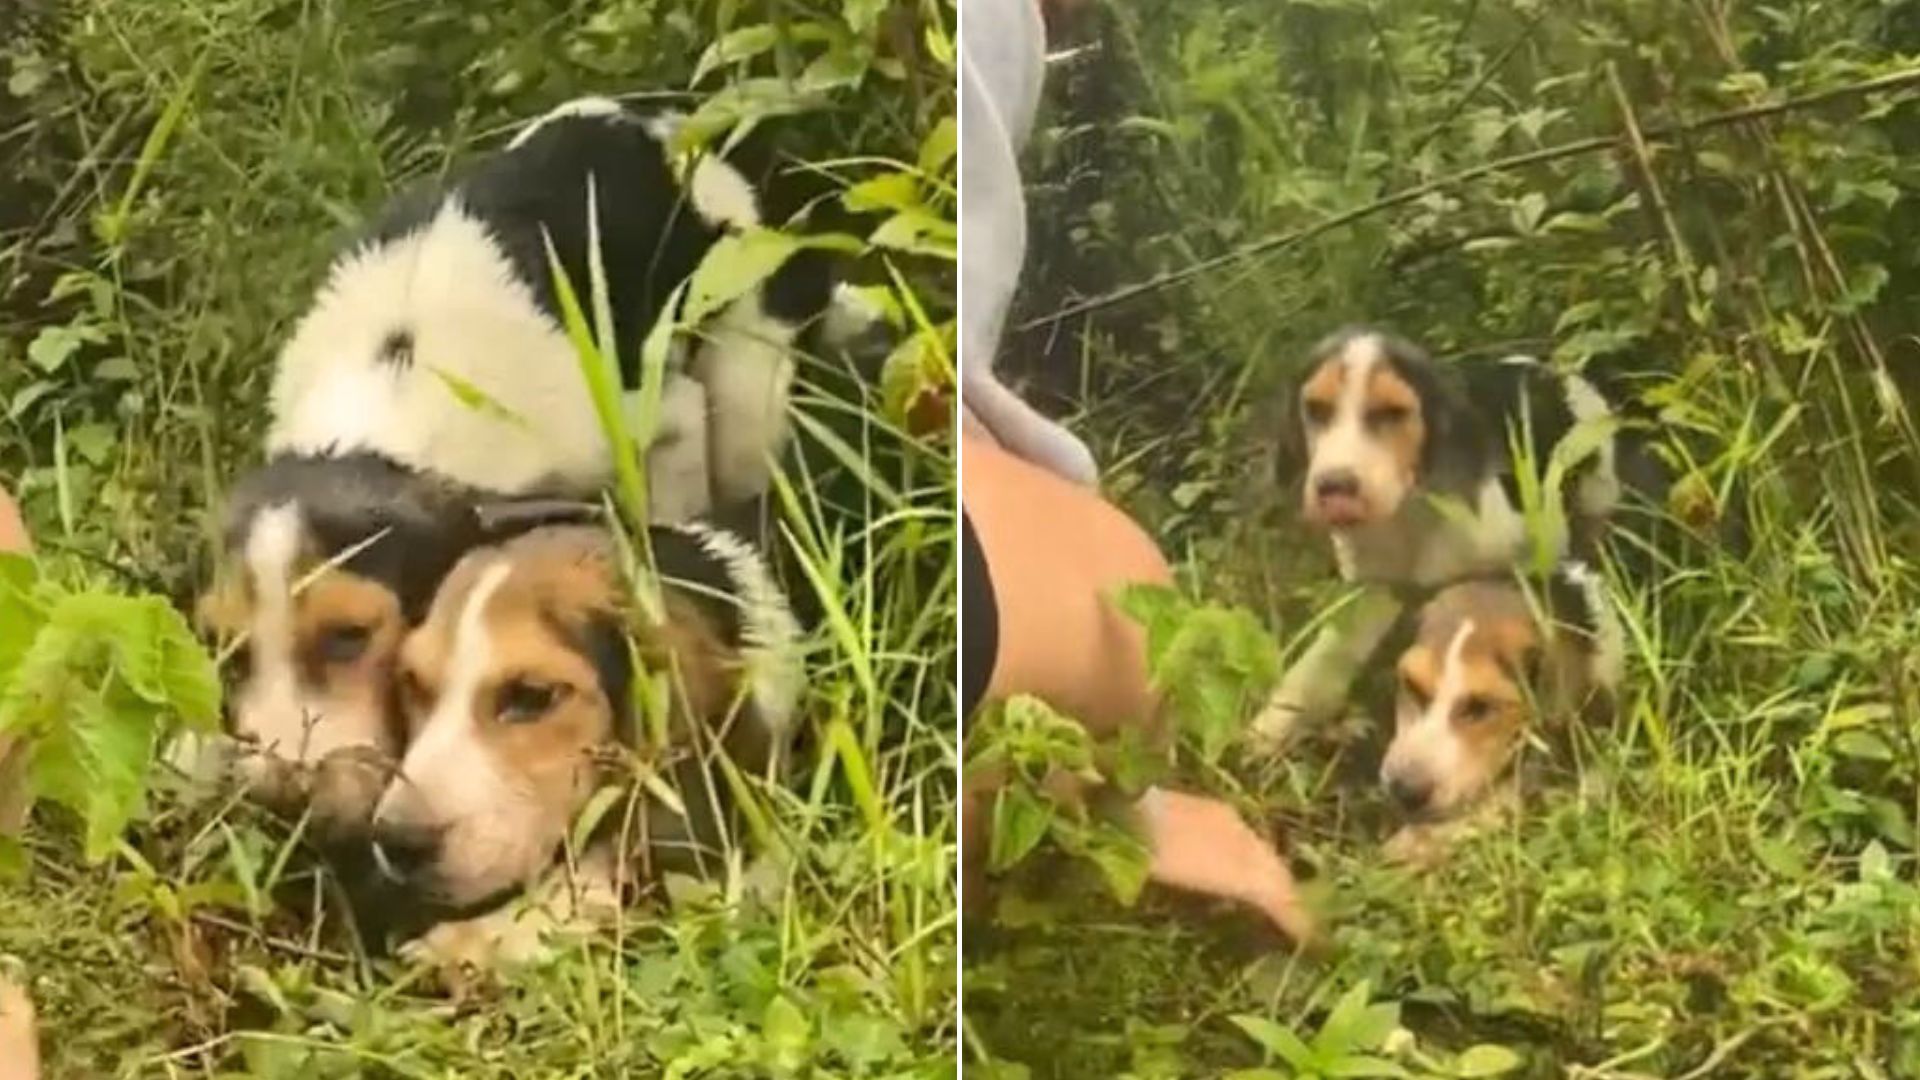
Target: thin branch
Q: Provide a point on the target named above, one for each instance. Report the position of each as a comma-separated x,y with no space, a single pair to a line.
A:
1493,68
1593,144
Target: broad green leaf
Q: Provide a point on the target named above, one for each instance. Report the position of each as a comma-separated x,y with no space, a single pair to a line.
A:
1020,822
737,45
938,148
1486,1059
1354,1025
735,265
886,191
1121,857
52,347
1361,1066
917,232
862,16
743,101
1277,1040
785,1027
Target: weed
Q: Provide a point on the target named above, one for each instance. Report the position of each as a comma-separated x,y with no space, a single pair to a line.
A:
182,173
1718,883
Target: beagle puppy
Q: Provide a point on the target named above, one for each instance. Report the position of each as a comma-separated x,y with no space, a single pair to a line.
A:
431,377
1492,662
1410,467
519,693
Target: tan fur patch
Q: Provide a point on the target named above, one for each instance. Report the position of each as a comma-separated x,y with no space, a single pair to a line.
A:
1320,394
508,717
1394,417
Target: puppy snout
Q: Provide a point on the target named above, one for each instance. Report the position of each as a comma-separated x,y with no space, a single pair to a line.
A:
404,852
1336,484
1412,794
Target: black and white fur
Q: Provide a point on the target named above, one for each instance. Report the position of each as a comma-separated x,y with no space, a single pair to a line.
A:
1461,516
453,288
372,449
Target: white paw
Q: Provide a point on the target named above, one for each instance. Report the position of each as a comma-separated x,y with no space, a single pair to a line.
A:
490,944
1417,847
1276,727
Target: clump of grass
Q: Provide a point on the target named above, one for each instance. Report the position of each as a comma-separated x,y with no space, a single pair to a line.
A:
1721,881
189,168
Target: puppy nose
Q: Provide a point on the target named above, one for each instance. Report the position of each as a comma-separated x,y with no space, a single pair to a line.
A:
1337,483
403,852
1410,794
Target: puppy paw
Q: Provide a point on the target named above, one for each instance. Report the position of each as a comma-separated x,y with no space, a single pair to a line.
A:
1276,728
484,948
1416,847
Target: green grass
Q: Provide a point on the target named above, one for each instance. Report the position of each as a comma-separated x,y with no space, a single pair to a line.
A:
177,177
1722,881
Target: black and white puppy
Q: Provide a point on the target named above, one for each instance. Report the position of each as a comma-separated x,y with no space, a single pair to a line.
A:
1413,469
521,681
431,375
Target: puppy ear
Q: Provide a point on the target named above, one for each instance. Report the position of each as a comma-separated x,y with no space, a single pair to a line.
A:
1289,434
603,640
1455,451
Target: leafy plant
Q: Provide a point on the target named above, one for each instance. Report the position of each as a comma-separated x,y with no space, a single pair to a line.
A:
91,684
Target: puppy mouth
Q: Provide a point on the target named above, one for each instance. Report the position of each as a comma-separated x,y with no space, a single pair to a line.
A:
1339,511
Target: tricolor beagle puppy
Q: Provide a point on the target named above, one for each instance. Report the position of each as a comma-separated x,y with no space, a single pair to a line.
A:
1493,660
1410,466
519,691
431,376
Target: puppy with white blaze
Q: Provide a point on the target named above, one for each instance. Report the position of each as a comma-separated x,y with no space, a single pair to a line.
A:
431,380
1493,662
519,692
1413,468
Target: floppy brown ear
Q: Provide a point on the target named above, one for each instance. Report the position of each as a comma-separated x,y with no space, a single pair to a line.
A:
602,639
1288,435
221,609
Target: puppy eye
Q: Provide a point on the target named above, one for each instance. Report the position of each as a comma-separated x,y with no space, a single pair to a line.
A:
239,665
521,701
344,644
1381,416
1415,692
1318,413
1476,709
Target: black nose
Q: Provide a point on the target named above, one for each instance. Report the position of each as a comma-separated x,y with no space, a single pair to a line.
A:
404,852
1336,483
1410,794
